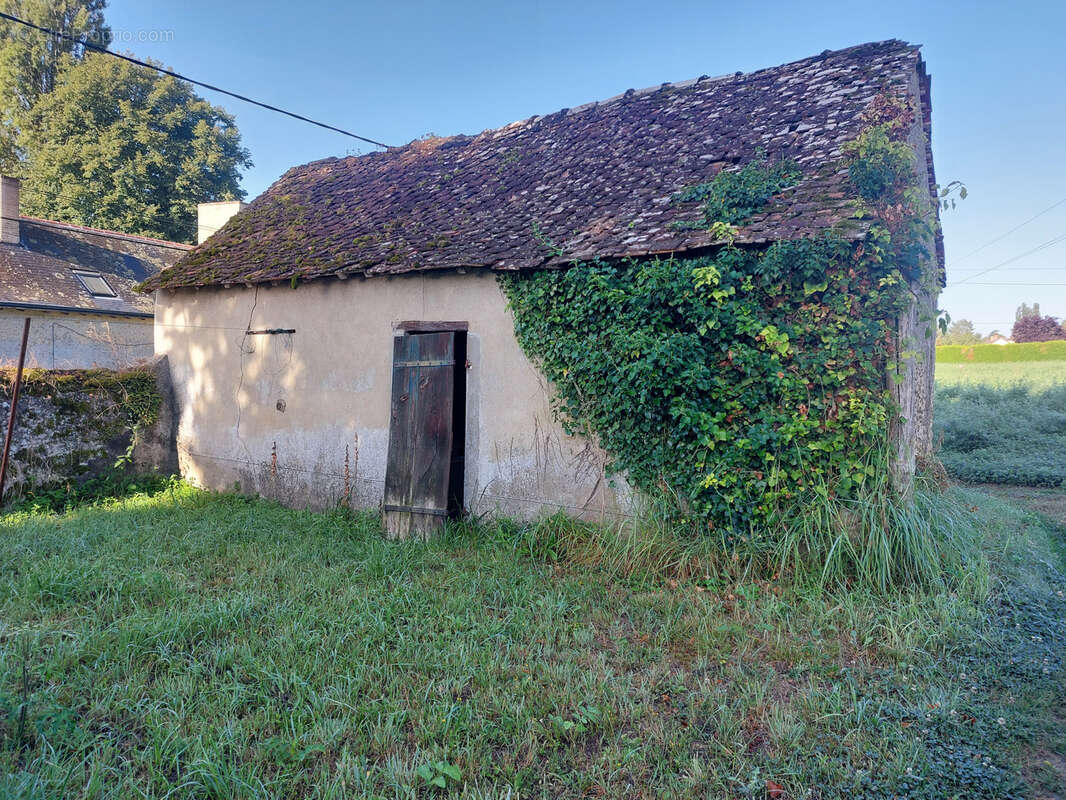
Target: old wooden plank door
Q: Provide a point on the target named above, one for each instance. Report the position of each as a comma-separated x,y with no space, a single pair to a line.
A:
420,434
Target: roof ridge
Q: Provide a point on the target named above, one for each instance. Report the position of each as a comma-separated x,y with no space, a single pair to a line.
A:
599,180
627,94
631,93
105,232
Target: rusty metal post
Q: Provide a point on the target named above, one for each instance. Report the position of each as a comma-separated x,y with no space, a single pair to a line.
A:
347,496
14,406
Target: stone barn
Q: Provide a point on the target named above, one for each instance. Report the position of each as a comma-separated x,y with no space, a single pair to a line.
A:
348,337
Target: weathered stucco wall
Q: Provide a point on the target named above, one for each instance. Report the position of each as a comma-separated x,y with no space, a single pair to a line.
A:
274,413
75,341
71,425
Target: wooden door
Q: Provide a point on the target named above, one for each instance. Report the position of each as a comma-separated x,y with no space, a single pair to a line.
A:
420,434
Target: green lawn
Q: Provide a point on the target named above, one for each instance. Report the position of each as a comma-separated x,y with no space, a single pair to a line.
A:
1036,375
1001,353
1002,423
187,645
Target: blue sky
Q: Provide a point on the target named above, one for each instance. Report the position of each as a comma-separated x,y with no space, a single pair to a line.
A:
396,71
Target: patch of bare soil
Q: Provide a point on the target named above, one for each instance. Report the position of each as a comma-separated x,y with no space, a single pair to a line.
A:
1046,775
1045,765
1049,502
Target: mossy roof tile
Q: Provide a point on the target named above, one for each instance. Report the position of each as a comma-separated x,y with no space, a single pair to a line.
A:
592,181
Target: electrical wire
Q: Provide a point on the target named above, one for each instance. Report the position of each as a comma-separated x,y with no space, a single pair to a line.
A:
1002,236
985,283
101,49
1053,241
1025,269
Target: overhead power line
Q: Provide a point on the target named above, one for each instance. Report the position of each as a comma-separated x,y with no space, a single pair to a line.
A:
101,49
1002,236
1038,248
1020,269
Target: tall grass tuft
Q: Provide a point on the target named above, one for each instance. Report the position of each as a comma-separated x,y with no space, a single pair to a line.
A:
651,546
874,541
880,541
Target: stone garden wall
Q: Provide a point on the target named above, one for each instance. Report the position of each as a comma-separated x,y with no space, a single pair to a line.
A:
73,424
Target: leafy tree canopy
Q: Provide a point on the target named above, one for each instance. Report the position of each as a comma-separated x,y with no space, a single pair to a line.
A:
961,331
32,63
118,146
1031,328
1026,310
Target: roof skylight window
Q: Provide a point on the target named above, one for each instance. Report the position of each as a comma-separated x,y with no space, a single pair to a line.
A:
95,284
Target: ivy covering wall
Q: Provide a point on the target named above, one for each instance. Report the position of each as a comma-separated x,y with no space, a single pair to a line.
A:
733,382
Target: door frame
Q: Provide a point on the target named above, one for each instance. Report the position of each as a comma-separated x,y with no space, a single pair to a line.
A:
457,471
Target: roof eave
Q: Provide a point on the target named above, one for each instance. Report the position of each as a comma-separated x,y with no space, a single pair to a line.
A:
21,306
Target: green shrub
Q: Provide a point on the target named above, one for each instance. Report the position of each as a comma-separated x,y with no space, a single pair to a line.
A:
732,383
735,195
1001,353
96,490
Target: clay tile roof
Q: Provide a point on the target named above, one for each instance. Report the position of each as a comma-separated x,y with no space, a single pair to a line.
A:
593,181
41,270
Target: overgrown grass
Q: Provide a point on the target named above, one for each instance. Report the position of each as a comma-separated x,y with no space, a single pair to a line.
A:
184,644
874,542
1002,422
1014,435
878,541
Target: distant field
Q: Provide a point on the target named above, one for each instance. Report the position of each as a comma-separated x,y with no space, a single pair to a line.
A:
1003,422
1033,374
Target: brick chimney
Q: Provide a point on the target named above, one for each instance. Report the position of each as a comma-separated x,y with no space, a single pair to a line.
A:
9,210
212,216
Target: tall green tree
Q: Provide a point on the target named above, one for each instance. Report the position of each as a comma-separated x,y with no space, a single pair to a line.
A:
961,331
1025,310
32,63
118,146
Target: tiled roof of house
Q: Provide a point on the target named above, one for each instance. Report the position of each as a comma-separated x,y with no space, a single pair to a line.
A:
595,181
41,271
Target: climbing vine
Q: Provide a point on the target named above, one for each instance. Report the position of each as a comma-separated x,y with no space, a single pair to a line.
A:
735,381
734,196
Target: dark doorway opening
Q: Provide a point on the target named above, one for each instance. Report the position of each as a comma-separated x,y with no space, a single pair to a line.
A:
457,473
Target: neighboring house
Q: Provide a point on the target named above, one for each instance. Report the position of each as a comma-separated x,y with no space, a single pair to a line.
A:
351,281
997,338
76,285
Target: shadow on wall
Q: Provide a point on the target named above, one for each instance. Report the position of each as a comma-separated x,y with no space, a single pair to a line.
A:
240,384
287,393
